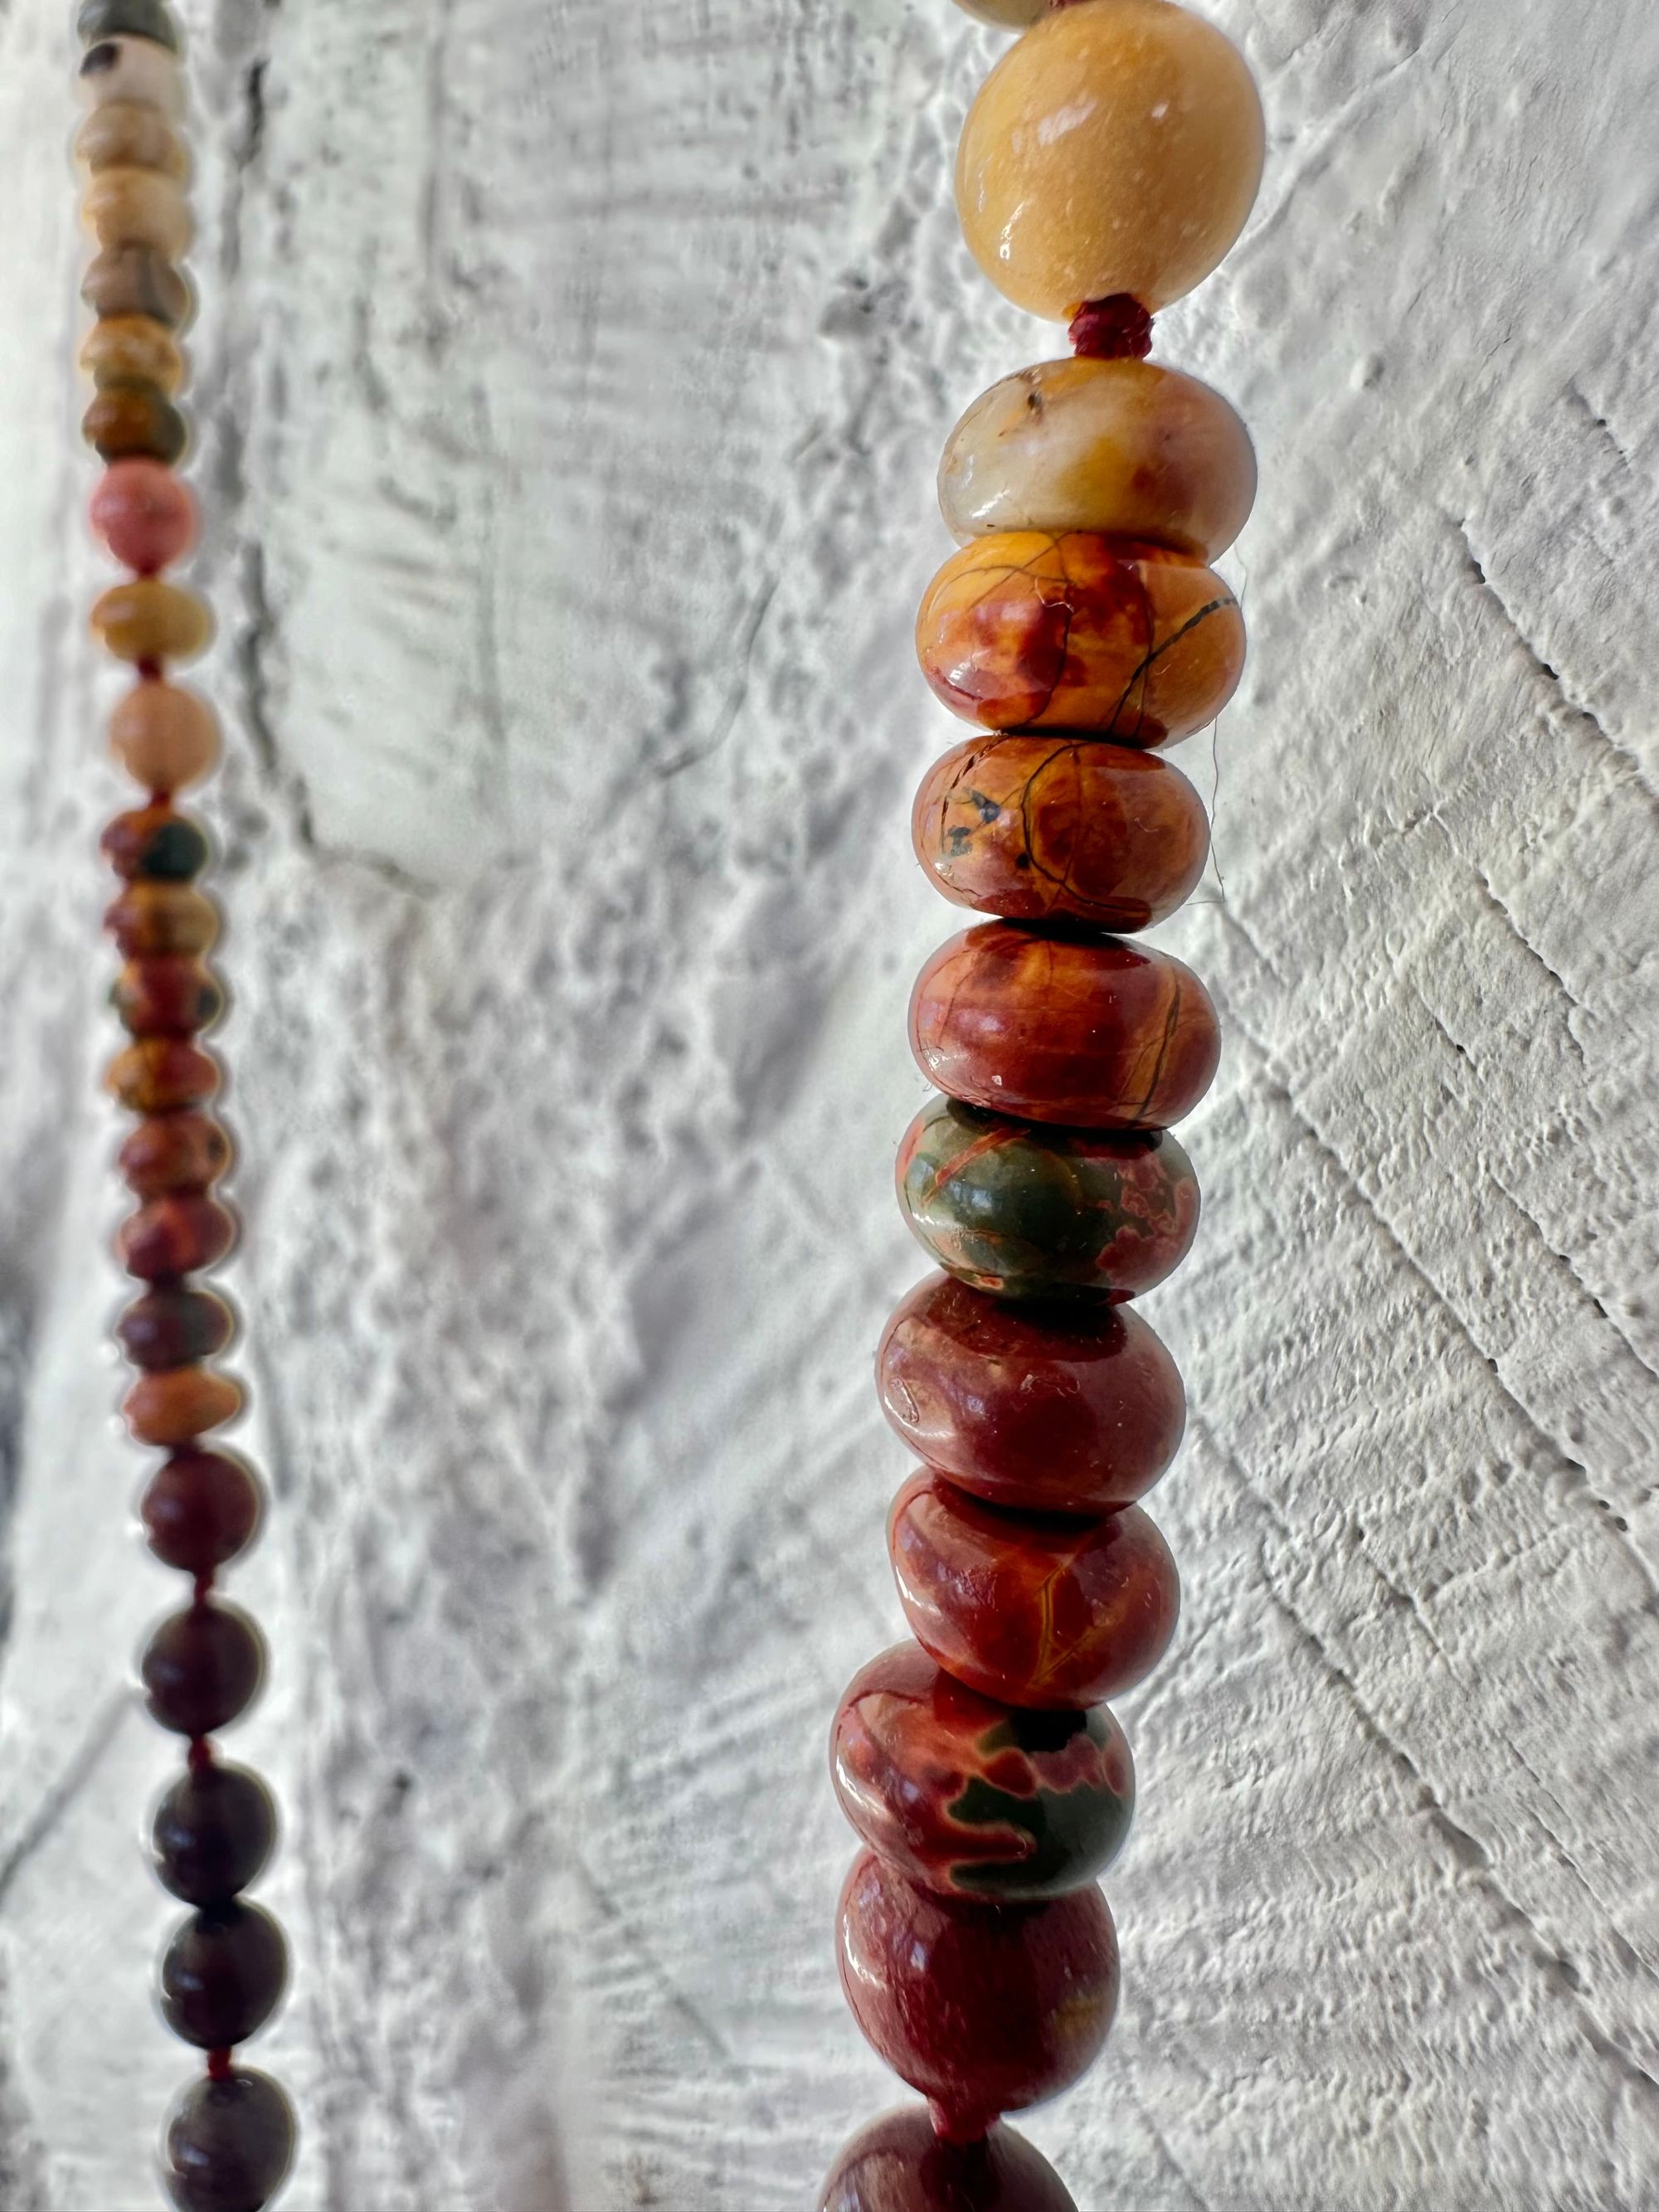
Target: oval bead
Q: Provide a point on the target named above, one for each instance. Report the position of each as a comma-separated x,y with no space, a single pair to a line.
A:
1032,827
161,917
175,1328
136,280
1027,630
175,1151
1073,1029
166,995
1072,1410
124,134
153,844
165,736
145,515
175,1405
202,1668
133,422
1122,448
1028,1608
1028,1211
898,2164
971,1797
212,1834
147,619
230,2144
985,2009
137,206
140,69
200,1509
1111,150
133,350
159,1075
139,19
222,1976
178,1235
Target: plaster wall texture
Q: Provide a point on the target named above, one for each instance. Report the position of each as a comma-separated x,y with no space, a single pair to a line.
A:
570,381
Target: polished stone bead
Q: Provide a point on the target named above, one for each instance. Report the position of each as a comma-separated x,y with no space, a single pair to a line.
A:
202,1668
212,1834
172,1328
159,1075
137,206
1029,1211
141,69
177,1404
222,1976
136,280
984,2008
175,1151
200,1509
134,421
137,18
1065,1026
1108,635
178,1235
149,619
153,844
1033,827
164,735
966,1795
1073,1409
133,350
1112,149
128,134
1027,1607
898,2164
160,917
230,2144
1121,447
166,995
146,516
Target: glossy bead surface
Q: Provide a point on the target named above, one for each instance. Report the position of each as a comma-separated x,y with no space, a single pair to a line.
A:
971,1797
212,1834
201,1668
173,1405
1122,448
1074,1409
146,517
161,917
200,1509
1065,1027
153,844
136,280
141,69
139,19
175,1151
124,134
133,350
137,206
1028,1608
230,2144
1113,149
1029,1211
1030,827
127,422
149,619
1026,630
222,1976
158,1075
173,1327
898,2164
174,1236
984,2008
166,995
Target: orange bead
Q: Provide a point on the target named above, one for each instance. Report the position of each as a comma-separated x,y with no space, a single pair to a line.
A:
175,1404
133,350
165,736
162,917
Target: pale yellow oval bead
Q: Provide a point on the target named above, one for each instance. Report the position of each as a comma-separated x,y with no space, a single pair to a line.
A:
132,68
1117,147
128,207
123,135
133,350
165,736
1122,447
147,619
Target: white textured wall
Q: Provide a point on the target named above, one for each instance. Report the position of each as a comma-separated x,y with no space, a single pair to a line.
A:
571,379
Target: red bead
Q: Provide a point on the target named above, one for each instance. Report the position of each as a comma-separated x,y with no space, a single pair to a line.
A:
898,2164
174,1236
175,1328
212,1834
222,1976
230,2144
1065,1026
984,2008
173,1152
1074,1409
202,1668
144,513
1032,1609
158,1075
201,1509
166,995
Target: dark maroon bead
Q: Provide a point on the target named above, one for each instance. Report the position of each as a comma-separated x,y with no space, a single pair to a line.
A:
202,1668
228,2145
174,1328
212,1834
897,2164
200,1509
174,1236
222,1976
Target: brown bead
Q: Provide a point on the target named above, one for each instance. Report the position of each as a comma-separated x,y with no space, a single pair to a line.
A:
136,280
155,844
1069,1027
898,2164
152,917
157,1075
166,995
230,2144
1028,826
202,1666
213,1833
149,619
122,206
127,421
176,1404
222,1976
133,350
175,1328
130,133
173,1152
200,1509
174,1236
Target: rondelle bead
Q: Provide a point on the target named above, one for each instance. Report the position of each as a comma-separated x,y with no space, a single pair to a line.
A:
159,1075
133,350
898,2164
133,422
1062,1026
137,206
1120,447
971,1797
174,1236
153,844
149,619
147,518
139,19
1026,630
1111,150
1073,1409
212,1834
175,1151
141,69
200,1509
125,134
161,917
985,2009
1030,827
201,1668
166,995
136,280
1029,1211
222,1976
1028,1608
230,2144
176,1404
175,1328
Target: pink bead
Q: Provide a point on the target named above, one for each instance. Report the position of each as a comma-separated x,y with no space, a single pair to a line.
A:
144,515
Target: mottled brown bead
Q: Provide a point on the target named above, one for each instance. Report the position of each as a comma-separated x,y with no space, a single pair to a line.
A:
123,205
230,2144
165,735
136,280
147,619
158,1075
152,917
133,350
174,1236
177,1404
126,421
202,1668
222,1976
128,134
154,844
172,1152
200,1509
173,1327
166,995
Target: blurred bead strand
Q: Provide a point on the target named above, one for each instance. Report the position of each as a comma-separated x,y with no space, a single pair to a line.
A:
228,2142
1107,164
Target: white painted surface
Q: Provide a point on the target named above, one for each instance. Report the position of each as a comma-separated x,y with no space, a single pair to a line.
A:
571,382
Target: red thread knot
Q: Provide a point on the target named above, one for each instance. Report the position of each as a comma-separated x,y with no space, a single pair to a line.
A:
1117,328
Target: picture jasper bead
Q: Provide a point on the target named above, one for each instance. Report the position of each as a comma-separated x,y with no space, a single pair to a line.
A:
126,134
178,1235
153,844
1067,1027
200,1509
166,995
175,1328
146,517
175,1151
984,2008
176,1404
158,1075
222,1976
1024,630
160,917
1122,448
141,69
201,1669
1033,827
213,1834
126,422
1028,1608
139,19
972,1797
149,619
230,2144
134,205
1028,1211
898,2164
136,280
1072,1409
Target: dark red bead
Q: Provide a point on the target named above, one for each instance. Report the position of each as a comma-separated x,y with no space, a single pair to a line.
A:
172,1328
174,1236
175,1151
166,995
898,2164
222,1976
230,2144
212,1834
202,1668
155,843
200,1509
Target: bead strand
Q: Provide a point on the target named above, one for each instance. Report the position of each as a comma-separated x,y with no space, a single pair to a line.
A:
229,2139
1082,622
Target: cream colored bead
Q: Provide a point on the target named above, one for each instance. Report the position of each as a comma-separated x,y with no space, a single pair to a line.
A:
122,207
132,68
1122,447
165,735
123,135
1117,147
